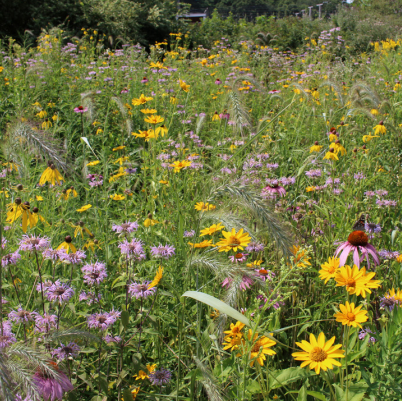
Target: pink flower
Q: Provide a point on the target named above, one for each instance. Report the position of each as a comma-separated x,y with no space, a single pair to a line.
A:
81,109
272,190
218,81
357,241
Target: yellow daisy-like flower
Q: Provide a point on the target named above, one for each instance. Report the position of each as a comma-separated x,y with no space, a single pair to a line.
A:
330,155
67,245
329,269
368,138
232,343
351,316
203,244
261,347
315,148
135,392
154,119
161,130
157,278
94,163
310,189
141,375
148,111
216,117
356,281
67,192
254,264
180,165
333,137
141,100
52,175
301,259
150,222
399,258
318,353
17,210
374,112
233,241
84,208
147,135
235,331
117,197
201,206
338,148
184,86
212,230
380,129
121,147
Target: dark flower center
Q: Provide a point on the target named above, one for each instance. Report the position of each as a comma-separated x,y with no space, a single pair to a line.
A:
358,238
34,241
93,275
143,287
67,350
102,319
59,291
318,354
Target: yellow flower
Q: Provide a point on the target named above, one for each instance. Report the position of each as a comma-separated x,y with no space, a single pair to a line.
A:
141,100
301,259
10,166
235,331
184,86
351,316
17,210
232,343
121,160
356,281
201,206
254,264
161,130
329,269
148,111
380,129
233,241
118,148
368,138
374,112
135,392
154,119
211,230
310,189
117,197
141,375
150,222
52,175
399,258
67,245
203,244
46,124
330,155
67,192
157,278
315,148
173,100
84,208
180,165
164,182
318,353
338,148
147,135
99,131
333,137
94,163
216,117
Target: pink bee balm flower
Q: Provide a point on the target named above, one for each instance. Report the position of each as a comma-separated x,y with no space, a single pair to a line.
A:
81,109
357,241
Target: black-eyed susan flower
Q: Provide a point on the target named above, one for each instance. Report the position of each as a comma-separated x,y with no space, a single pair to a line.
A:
331,155
67,245
380,129
80,229
148,111
203,244
66,193
141,100
318,353
212,229
154,119
184,86
21,210
316,147
368,138
261,346
216,117
233,240
147,135
117,197
235,331
162,130
202,207
179,165
338,147
52,175
356,281
329,269
351,316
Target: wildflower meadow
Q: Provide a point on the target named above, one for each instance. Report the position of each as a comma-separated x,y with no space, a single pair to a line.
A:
191,223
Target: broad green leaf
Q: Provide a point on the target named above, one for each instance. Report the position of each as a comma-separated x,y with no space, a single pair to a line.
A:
283,377
125,317
217,304
302,394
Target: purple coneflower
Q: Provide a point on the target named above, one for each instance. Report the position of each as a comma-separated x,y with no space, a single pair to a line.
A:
33,243
160,377
127,227
272,190
357,241
141,290
22,316
59,292
80,109
91,297
144,80
163,251
239,257
66,351
218,81
133,249
10,259
264,274
102,320
44,323
95,273
245,283
52,388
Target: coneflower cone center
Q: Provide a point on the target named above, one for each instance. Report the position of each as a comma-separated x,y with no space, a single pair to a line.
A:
351,316
358,238
318,354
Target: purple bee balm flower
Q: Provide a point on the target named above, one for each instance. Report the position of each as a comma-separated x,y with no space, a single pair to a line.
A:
45,285
74,258
239,257
102,320
388,302
91,297
141,290
385,254
22,316
189,234
95,273
54,254
66,351
59,292
272,191
163,251
255,247
80,109
160,377
357,241
127,227
33,243
112,339
52,388
133,249
365,332
44,323
7,339
10,259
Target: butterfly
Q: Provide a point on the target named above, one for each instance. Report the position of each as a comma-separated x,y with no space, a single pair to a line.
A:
363,225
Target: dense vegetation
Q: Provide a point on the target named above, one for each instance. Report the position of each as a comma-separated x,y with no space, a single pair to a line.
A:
213,217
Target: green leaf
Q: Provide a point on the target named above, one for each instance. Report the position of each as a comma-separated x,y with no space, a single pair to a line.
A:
284,377
125,317
302,394
217,304
253,387
127,396
317,395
